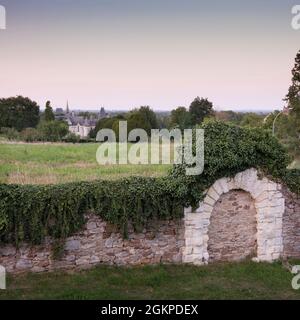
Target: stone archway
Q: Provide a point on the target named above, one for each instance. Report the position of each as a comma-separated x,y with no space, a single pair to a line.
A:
269,204
233,228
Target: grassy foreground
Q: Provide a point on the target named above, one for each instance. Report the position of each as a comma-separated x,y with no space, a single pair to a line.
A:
22,163
246,280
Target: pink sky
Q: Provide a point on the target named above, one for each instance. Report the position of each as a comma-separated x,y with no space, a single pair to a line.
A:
162,56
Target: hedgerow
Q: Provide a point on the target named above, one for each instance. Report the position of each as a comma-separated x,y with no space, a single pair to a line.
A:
31,212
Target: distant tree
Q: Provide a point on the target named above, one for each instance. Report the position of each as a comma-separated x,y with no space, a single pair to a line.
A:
149,116
293,96
49,115
19,113
30,135
252,120
10,133
106,123
200,109
163,120
180,118
144,118
136,120
229,116
53,130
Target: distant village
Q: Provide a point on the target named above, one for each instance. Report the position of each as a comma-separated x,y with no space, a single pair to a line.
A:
78,123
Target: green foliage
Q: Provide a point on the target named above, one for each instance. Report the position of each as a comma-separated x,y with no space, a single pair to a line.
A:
30,135
292,179
229,116
293,96
58,249
149,117
53,130
72,138
49,115
106,123
230,149
19,113
200,109
10,133
136,120
180,118
142,118
29,213
252,120
217,281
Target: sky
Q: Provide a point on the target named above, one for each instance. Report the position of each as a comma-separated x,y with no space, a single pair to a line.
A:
121,54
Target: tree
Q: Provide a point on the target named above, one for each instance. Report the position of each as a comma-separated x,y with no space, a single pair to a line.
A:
229,116
252,120
149,116
53,130
106,123
49,115
199,109
293,96
180,118
136,120
19,113
144,118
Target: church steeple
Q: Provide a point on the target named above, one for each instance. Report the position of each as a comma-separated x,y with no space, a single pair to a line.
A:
67,108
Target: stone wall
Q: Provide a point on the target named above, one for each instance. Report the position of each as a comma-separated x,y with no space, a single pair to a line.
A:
269,204
100,242
241,216
291,225
232,229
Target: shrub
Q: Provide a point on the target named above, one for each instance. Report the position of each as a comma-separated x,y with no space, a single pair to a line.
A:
10,133
30,135
231,149
72,138
53,130
29,213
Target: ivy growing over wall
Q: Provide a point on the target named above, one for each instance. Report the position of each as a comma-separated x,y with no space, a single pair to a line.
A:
30,213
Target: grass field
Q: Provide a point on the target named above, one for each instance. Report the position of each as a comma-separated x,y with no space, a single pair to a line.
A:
55,163
247,280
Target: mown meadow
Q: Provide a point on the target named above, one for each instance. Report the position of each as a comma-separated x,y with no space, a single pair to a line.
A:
51,163
245,280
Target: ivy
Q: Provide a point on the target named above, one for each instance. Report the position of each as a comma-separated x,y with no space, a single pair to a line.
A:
32,212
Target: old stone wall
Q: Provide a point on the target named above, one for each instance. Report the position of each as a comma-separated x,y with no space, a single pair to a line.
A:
233,229
269,203
242,216
100,242
291,225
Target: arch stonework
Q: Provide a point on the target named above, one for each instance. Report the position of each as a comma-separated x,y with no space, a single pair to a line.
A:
269,205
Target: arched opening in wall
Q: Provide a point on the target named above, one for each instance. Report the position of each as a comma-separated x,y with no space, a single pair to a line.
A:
232,230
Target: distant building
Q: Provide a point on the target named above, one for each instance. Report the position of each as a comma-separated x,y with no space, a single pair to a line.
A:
79,125
59,110
102,113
